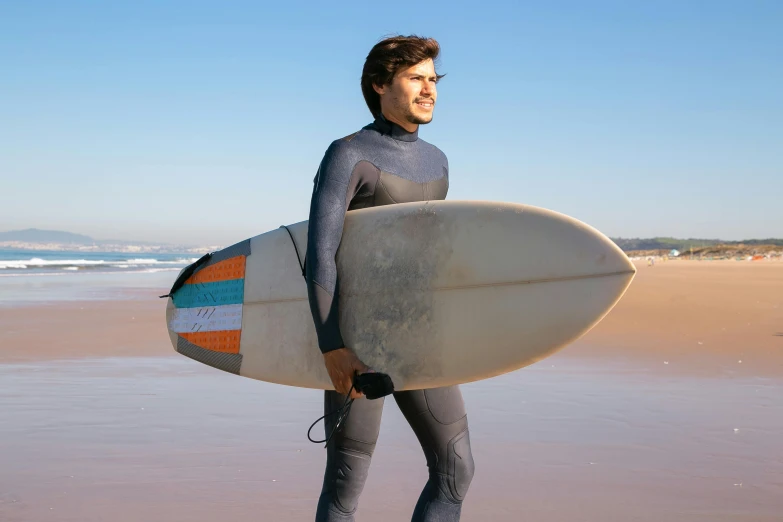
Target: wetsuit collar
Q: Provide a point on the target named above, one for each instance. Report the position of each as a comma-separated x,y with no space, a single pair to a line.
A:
389,128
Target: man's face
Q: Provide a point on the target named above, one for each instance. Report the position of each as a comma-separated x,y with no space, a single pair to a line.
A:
410,98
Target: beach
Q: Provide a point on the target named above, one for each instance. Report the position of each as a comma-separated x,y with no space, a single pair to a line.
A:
671,408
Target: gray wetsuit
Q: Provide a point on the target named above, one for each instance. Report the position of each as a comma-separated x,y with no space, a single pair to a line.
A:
381,164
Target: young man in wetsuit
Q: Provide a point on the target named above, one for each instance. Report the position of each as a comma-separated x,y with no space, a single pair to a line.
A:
384,163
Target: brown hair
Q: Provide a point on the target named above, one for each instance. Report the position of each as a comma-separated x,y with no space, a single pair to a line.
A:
389,56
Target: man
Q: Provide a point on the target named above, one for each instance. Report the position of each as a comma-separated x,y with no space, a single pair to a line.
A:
384,163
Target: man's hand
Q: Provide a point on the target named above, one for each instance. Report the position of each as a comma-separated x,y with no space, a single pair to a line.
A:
341,365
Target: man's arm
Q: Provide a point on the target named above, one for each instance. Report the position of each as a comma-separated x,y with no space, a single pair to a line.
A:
339,178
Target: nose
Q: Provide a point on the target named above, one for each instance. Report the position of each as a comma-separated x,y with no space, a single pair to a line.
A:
428,87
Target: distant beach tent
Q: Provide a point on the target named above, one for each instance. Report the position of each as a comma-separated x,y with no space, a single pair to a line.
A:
674,252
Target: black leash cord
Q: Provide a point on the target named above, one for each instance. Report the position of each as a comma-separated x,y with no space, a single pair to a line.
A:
298,257
344,410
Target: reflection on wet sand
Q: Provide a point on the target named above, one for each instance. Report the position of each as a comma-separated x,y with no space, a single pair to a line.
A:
135,438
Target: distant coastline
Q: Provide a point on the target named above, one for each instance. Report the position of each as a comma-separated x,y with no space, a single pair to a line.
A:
714,252
33,239
60,241
709,249
128,248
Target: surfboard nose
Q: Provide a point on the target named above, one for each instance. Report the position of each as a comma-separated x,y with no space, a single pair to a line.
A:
508,243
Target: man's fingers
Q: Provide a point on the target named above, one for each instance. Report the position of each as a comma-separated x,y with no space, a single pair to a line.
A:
345,386
355,394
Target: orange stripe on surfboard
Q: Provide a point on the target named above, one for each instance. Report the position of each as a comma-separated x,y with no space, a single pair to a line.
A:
231,268
225,341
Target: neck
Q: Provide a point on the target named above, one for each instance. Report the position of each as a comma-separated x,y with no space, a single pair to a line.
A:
408,126
391,128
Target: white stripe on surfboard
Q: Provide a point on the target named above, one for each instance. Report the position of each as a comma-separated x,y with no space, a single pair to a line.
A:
206,319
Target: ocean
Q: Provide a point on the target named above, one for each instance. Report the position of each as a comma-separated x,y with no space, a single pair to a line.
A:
15,262
35,276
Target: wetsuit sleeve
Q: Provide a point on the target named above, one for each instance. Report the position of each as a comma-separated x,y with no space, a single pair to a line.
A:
339,179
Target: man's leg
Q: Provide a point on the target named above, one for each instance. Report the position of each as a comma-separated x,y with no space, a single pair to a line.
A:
347,456
438,418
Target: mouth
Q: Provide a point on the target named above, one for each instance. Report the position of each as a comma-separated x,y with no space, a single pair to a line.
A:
425,104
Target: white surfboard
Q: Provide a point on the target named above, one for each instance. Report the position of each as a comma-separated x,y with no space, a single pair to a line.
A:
432,293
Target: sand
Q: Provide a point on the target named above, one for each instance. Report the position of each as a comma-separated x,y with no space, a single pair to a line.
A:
651,416
84,329
699,316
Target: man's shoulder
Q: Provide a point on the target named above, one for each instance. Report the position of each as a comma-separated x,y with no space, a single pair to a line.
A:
349,138
342,155
349,142
433,151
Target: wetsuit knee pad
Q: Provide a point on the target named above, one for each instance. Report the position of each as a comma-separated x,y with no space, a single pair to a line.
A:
350,476
460,466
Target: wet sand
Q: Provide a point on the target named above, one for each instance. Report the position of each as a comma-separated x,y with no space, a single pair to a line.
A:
102,421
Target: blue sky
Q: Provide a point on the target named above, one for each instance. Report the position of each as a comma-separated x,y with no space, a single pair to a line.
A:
204,122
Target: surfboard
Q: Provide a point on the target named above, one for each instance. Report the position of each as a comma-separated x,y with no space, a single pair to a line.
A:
433,293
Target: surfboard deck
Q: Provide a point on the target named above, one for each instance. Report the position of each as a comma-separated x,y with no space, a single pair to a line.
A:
432,293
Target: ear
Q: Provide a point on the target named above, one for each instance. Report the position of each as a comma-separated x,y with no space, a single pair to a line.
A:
380,89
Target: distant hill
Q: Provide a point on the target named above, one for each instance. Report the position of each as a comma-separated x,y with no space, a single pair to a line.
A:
34,235
36,239
668,243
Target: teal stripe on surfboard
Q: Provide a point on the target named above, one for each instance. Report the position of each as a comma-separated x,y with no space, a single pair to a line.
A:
215,293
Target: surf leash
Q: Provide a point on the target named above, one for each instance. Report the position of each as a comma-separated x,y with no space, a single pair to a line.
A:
343,411
298,257
373,385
